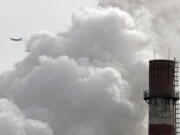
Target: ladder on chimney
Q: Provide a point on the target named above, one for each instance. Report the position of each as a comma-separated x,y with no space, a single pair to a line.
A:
176,74
177,119
177,107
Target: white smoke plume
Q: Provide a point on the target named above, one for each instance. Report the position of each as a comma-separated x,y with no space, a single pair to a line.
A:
89,79
13,122
158,19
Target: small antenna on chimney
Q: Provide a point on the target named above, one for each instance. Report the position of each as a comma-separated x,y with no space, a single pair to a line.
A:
169,53
154,54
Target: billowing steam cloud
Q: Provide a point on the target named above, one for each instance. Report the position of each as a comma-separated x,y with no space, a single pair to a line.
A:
13,122
158,19
87,80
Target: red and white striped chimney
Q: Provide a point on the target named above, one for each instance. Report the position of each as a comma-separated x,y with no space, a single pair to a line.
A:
162,97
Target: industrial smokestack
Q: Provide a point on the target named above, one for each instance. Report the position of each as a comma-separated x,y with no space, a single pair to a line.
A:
162,97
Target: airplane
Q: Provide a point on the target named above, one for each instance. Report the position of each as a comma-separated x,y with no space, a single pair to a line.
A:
16,39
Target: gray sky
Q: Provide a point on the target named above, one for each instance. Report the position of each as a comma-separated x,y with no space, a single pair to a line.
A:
24,17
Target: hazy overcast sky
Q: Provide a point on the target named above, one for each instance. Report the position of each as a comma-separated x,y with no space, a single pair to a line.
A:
24,17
